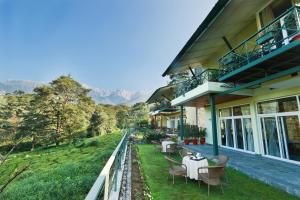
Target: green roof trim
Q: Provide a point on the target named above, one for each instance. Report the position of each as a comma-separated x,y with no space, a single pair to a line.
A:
210,17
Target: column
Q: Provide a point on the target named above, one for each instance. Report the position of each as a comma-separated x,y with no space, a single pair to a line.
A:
161,121
214,125
181,123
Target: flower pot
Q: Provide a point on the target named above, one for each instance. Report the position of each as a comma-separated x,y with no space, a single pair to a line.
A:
195,141
202,140
186,141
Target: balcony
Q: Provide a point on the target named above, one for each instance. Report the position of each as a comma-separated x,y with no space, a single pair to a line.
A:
208,75
273,49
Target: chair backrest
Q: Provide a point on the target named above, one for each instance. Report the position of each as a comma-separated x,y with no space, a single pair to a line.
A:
171,162
215,172
222,160
183,152
171,147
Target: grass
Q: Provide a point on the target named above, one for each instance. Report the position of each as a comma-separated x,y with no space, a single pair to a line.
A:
154,169
64,172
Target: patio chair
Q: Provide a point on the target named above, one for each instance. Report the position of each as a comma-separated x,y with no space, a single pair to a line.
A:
157,145
183,152
212,177
171,148
176,168
222,161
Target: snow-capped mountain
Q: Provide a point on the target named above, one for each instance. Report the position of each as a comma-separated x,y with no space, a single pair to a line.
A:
100,95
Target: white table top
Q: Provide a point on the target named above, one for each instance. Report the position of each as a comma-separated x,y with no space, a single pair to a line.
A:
164,145
193,165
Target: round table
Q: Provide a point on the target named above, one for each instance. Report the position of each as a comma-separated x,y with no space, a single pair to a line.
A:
193,165
164,145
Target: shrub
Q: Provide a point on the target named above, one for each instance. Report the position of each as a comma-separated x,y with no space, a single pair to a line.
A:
153,136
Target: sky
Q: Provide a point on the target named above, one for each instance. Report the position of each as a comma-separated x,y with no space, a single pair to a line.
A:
110,44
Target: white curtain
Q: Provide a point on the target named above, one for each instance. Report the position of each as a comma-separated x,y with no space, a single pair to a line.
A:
248,135
273,145
228,132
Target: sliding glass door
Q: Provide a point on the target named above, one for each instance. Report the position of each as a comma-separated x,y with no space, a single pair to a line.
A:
280,128
236,128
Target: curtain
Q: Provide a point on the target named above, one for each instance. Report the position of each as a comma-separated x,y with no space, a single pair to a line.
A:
248,135
229,133
271,131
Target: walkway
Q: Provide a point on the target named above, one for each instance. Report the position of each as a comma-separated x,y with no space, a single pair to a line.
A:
277,173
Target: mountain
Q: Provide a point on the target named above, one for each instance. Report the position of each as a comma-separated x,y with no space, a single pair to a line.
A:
100,95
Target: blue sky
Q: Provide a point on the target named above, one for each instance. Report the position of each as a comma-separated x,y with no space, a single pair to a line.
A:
110,44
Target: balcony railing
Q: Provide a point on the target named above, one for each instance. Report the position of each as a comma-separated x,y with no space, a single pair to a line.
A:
280,32
107,180
193,82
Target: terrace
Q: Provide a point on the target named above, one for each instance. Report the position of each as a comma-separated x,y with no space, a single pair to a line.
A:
272,49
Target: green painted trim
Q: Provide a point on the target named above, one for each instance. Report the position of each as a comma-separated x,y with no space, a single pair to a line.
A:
214,125
210,17
262,80
181,123
260,60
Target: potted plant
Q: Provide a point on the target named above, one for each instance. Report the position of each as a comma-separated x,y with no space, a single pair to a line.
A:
186,141
195,134
202,133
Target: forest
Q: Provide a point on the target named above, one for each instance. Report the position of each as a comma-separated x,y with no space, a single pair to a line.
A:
60,114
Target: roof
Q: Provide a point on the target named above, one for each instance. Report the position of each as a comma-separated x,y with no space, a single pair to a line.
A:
203,26
162,92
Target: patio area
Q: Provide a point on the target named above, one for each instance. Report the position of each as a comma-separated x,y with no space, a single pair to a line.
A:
154,169
282,175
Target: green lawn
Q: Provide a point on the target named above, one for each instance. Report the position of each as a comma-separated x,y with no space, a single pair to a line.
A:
64,172
241,187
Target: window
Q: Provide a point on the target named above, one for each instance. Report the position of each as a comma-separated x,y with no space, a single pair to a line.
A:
278,106
236,127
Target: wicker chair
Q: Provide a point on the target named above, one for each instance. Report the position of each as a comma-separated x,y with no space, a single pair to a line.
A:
176,169
212,177
158,146
171,148
222,161
183,153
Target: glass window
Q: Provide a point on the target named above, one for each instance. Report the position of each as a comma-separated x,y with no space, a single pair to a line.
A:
280,105
225,112
241,110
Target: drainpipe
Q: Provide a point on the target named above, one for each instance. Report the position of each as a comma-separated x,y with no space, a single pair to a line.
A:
214,124
181,123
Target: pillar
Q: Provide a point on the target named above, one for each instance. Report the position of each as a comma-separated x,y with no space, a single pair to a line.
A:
181,123
161,121
155,127
214,125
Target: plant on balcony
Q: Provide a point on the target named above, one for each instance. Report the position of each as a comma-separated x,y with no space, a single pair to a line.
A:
202,133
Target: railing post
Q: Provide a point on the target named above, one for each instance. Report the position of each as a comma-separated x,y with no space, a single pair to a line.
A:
106,186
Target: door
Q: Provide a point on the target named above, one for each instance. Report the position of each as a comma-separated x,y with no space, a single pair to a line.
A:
289,130
270,135
281,136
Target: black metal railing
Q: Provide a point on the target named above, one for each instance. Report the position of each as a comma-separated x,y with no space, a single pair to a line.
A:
280,32
206,76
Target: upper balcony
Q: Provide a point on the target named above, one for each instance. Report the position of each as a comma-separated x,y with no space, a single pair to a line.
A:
208,75
274,48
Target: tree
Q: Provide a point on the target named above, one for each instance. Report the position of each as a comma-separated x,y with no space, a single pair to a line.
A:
121,118
63,108
11,115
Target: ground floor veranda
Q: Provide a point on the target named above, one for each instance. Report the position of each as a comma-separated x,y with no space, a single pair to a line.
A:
282,175
265,122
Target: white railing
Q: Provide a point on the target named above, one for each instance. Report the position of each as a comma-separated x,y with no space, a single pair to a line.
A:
109,174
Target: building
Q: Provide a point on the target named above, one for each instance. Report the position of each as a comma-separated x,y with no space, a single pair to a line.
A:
164,115
244,64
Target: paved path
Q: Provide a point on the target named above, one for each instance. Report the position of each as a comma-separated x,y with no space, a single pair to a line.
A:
283,175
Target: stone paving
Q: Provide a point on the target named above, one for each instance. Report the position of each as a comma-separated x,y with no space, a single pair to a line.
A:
280,174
